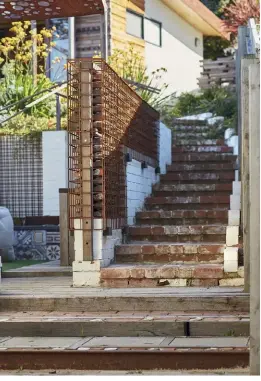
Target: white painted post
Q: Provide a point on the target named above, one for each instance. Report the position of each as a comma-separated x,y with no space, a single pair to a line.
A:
254,222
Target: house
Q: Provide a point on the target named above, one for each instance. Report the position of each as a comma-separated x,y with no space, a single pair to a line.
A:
168,33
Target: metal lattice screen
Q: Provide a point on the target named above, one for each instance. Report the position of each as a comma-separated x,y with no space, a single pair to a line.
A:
104,116
21,175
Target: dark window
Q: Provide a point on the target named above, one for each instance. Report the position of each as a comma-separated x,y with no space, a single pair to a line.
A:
143,27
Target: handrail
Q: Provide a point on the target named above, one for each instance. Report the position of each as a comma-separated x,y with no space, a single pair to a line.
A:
58,107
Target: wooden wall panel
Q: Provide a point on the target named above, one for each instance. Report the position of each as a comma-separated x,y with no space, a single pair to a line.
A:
120,38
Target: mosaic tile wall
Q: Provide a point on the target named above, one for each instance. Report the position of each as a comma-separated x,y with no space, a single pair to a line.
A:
38,243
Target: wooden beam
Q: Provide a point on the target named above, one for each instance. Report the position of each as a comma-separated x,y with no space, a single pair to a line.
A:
246,62
254,221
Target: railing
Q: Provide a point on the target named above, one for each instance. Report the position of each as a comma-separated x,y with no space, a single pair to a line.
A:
104,117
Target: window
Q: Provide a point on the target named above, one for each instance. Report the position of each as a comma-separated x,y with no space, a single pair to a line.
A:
143,27
134,24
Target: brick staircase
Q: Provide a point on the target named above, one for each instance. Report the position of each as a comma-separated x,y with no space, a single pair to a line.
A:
180,237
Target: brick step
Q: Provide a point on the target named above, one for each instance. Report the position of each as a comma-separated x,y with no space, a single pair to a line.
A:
190,194
204,156
180,221
179,234
197,142
225,187
203,149
165,253
176,207
187,130
188,200
190,134
208,216
189,123
202,166
128,275
200,177
122,324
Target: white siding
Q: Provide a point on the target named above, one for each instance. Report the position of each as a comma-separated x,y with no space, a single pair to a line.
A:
178,53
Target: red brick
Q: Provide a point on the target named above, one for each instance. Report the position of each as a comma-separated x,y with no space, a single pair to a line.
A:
140,230
148,249
205,272
162,249
128,249
115,272
176,249
142,283
114,283
137,273
157,230
204,282
211,249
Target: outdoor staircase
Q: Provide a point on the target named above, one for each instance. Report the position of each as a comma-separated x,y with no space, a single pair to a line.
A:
180,237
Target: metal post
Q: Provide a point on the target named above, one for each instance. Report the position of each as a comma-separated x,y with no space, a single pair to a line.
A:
34,50
72,50
105,53
58,113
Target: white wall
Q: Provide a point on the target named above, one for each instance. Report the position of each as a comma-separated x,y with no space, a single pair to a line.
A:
139,186
55,169
165,147
178,53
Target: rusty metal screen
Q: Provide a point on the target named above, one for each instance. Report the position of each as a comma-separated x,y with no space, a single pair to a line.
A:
104,117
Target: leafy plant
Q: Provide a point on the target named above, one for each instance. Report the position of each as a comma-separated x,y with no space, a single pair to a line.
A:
219,101
129,65
30,125
17,55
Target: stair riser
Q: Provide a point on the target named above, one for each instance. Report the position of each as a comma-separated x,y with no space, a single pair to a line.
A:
180,238
190,194
133,328
203,157
201,167
172,207
202,142
193,188
171,258
199,176
180,221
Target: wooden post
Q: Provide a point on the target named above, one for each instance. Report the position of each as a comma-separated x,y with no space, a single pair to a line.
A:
66,238
254,222
241,51
86,159
246,62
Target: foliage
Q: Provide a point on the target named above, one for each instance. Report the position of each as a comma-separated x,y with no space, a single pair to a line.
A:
219,101
16,57
216,47
129,65
238,12
29,125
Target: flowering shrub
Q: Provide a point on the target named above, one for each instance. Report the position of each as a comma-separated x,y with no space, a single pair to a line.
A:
17,55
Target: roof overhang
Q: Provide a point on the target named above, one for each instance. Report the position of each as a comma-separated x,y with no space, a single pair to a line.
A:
198,15
18,10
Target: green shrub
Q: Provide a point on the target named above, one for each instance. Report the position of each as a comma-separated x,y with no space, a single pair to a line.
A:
219,101
29,125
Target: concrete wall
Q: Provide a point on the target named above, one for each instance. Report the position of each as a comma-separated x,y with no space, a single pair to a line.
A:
55,169
178,53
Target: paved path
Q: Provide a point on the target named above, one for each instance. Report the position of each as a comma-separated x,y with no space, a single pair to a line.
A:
115,343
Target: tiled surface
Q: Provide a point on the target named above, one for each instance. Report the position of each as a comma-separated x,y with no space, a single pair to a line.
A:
36,245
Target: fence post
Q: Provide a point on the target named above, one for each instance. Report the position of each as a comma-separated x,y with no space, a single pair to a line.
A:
254,221
241,51
245,63
66,239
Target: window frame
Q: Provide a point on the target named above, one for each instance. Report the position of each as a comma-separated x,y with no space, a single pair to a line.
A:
142,27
